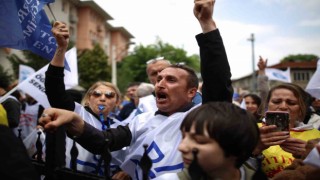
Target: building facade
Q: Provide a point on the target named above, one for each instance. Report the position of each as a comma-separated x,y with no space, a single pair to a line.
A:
88,25
300,72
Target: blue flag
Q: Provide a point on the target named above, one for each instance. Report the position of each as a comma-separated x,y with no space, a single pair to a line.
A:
24,25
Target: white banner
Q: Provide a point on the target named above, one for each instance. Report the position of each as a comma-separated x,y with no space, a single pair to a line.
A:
278,75
34,84
243,104
71,77
313,86
147,103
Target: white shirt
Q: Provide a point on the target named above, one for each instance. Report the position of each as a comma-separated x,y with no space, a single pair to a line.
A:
162,135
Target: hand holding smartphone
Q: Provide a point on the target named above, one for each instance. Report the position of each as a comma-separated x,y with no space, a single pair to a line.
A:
278,118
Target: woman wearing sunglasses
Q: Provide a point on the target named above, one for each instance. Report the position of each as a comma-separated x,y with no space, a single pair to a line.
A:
100,99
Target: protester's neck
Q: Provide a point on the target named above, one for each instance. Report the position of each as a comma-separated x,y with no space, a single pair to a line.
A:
105,115
232,174
181,109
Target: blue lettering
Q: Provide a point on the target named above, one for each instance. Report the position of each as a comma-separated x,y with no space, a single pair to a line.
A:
154,148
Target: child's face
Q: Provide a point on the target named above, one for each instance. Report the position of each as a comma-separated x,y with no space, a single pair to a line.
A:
251,105
210,155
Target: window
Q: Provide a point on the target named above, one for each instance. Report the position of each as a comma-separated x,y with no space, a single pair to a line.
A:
301,75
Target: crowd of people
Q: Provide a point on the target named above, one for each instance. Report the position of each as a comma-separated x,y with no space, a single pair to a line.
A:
191,132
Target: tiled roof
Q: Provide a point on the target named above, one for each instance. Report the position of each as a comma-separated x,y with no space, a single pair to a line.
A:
296,65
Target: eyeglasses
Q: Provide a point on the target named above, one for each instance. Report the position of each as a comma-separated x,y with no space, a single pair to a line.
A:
154,60
108,94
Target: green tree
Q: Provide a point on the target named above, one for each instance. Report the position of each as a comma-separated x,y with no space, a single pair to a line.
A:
5,77
300,57
93,66
31,59
133,67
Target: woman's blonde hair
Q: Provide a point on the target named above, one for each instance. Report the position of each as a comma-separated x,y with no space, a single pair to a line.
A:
86,97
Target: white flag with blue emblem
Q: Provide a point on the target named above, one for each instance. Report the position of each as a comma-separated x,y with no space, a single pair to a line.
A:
278,75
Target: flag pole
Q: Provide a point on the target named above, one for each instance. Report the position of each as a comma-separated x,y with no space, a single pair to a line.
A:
3,98
54,18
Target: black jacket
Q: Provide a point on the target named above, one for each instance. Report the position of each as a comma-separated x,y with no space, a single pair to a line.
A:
12,106
215,69
15,163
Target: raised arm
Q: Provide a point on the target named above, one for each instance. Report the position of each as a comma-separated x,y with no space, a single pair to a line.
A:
215,69
263,86
54,81
262,65
203,11
61,33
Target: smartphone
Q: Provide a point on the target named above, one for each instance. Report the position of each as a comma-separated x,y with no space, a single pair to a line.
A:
278,118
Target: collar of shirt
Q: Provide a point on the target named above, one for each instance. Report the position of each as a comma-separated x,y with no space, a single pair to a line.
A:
96,116
183,109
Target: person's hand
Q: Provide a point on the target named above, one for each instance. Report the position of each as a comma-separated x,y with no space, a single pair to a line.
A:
203,11
61,33
270,137
296,147
121,175
262,64
53,118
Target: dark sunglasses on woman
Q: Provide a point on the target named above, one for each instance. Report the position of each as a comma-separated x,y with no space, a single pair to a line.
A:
108,94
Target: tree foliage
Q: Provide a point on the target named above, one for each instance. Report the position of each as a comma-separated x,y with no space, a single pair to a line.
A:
5,77
133,67
30,59
93,66
300,57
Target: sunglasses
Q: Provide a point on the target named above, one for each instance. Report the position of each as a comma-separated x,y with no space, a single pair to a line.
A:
154,60
108,94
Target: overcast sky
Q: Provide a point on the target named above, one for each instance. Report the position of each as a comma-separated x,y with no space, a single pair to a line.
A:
281,27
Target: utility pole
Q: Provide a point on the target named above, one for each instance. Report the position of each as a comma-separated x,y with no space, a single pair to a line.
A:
253,84
114,66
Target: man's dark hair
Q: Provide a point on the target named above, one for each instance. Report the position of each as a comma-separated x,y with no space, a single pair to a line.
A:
233,128
193,80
